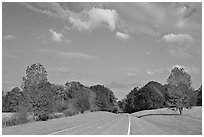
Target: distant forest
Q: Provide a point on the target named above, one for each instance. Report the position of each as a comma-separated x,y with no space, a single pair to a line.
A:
43,100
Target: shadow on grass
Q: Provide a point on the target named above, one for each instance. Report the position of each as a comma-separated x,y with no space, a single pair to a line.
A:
156,115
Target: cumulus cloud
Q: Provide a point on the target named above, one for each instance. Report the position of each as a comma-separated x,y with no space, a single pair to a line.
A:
57,37
86,19
180,45
94,18
122,36
9,37
177,38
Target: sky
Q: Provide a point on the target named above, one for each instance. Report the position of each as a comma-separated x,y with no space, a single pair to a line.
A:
119,45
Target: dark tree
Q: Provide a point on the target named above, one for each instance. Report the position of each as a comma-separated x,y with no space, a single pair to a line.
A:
84,97
151,96
199,98
12,100
105,98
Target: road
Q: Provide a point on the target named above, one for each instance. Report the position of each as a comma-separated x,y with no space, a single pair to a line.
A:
159,122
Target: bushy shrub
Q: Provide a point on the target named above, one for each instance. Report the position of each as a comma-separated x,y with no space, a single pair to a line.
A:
115,110
70,112
56,115
43,116
15,120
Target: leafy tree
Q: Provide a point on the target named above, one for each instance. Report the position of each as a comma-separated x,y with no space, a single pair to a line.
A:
130,101
105,98
179,89
39,98
83,96
199,98
121,105
36,76
60,96
151,96
12,100
178,77
154,95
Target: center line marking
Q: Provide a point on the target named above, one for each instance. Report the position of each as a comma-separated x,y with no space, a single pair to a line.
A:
94,122
129,125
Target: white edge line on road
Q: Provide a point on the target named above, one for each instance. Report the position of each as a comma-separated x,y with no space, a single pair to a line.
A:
129,125
75,127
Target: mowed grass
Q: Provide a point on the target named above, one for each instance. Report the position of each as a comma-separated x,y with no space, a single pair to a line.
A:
168,122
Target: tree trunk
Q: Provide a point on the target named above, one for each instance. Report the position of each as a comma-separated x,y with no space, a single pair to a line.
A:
180,110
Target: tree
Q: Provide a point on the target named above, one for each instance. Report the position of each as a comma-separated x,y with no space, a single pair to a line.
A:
179,89
37,89
105,98
199,98
12,100
151,96
60,96
36,76
153,93
84,98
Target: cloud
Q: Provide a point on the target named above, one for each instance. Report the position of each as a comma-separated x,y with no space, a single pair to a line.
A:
131,74
117,85
63,69
148,20
71,71
70,55
120,85
149,72
122,36
190,70
189,16
48,8
77,55
9,37
95,17
86,19
180,45
57,37
177,38
163,70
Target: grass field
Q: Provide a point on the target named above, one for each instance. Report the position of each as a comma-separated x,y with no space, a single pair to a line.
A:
168,122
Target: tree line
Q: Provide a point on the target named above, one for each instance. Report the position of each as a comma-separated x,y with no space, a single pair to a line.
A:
176,94
41,98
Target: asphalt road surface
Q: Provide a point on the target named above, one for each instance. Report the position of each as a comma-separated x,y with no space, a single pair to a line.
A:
159,122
